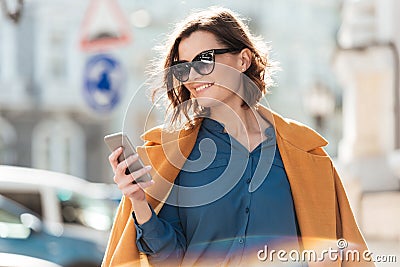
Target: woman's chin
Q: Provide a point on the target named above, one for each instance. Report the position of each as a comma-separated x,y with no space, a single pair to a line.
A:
208,102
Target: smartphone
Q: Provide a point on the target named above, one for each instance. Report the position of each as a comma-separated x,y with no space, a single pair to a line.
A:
116,140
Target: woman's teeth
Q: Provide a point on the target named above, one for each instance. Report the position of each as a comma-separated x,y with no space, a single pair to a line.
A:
201,88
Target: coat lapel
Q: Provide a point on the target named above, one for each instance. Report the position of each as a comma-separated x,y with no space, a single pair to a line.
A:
313,190
310,173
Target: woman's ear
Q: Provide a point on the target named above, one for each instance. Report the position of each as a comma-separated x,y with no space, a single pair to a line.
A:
244,59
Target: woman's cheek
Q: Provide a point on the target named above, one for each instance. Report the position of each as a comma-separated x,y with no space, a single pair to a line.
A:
228,77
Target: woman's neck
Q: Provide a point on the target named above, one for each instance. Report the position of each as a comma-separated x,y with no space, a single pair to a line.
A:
239,121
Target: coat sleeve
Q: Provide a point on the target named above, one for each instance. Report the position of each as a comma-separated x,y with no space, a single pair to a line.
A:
121,248
348,230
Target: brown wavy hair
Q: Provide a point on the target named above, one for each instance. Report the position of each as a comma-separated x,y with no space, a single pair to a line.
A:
229,30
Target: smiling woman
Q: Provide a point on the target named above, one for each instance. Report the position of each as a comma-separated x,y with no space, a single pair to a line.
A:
236,177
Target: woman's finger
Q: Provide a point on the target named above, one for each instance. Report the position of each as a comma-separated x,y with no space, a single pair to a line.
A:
121,167
141,172
113,158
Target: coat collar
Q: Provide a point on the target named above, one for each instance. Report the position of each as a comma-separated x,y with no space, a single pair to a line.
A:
296,133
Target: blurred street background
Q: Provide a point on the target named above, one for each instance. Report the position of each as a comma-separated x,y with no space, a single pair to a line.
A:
69,70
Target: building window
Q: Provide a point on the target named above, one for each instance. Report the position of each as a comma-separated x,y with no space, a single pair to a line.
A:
58,144
57,55
8,140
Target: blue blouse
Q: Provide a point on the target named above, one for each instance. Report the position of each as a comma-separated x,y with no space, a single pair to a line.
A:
223,221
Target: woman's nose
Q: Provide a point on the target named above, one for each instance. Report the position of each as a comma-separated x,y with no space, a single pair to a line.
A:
194,75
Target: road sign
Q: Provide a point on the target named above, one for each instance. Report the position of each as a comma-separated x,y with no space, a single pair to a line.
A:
104,27
103,82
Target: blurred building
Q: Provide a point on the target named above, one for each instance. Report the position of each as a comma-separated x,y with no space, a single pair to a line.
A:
48,124
367,64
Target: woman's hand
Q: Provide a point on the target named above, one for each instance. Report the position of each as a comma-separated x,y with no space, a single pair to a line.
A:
124,181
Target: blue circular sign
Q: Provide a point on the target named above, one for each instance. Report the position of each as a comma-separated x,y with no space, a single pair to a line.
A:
103,81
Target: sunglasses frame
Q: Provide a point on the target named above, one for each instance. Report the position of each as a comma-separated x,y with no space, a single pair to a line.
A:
198,58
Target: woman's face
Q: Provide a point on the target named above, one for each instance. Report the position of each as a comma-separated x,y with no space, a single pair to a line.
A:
220,85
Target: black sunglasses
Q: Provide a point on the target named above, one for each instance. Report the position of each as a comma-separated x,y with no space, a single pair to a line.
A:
203,63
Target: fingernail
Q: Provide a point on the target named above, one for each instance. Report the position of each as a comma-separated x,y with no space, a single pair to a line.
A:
135,156
148,167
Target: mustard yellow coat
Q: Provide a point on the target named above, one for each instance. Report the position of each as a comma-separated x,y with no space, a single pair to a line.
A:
320,201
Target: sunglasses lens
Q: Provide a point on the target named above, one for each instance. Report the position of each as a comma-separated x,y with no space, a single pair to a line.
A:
204,63
181,71
203,67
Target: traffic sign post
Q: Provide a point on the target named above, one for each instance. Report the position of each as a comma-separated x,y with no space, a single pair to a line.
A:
103,82
104,27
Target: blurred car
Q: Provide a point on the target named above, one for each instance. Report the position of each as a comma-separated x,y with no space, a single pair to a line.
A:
16,260
22,232
66,204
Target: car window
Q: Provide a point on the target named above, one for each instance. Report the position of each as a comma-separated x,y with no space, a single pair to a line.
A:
31,200
11,226
79,209
8,217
